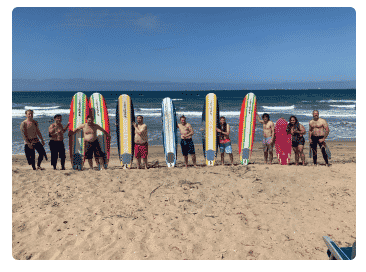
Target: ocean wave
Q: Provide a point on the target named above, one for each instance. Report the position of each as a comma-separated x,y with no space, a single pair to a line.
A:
40,108
52,112
153,109
343,106
336,101
177,99
279,107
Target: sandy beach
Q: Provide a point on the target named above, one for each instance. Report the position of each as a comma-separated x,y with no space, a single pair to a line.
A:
254,212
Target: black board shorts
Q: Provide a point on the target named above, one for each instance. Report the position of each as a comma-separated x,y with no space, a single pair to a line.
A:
187,147
93,147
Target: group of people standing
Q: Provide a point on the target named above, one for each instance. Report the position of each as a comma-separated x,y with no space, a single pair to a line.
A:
318,132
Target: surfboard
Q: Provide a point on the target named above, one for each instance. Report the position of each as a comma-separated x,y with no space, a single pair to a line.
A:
282,142
98,108
125,131
170,140
79,110
210,119
247,122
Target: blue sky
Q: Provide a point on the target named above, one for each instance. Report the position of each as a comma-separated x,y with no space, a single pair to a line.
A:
218,45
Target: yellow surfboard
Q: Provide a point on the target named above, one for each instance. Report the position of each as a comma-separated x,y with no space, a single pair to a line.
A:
210,118
125,131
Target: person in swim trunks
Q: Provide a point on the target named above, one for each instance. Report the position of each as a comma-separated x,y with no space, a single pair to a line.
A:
30,132
91,142
297,131
56,132
268,135
318,132
186,143
225,142
141,145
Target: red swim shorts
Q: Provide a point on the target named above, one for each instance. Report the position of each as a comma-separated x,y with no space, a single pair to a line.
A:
141,151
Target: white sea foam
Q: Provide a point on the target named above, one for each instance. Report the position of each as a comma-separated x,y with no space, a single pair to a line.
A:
154,109
279,107
52,112
336,101
343,106
177,99
40,108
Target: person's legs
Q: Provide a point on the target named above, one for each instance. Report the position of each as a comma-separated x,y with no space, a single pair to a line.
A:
265,151
295,149
186,160
193,159
270,153
222,158
90,161
40,149
54,154
313,147
301,153
30,155
62,155
325,156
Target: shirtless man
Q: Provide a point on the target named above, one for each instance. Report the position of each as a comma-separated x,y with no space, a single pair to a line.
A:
186,142
268,134
56,132
30,132
91,141
318,132
141,145
225,142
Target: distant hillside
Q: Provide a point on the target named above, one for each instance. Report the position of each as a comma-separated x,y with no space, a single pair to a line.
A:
100,85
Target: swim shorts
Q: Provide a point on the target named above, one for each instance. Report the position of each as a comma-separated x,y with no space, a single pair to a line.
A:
267,146
226,146
187,147
267,140
93,147
298,141
141,150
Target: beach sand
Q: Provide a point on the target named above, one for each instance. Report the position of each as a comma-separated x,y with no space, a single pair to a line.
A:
256,212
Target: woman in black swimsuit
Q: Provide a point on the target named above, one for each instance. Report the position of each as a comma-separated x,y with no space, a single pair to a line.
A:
297,131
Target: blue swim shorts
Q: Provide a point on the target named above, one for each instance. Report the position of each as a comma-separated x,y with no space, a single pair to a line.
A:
226,147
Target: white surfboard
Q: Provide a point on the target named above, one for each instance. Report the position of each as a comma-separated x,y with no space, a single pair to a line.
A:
169,120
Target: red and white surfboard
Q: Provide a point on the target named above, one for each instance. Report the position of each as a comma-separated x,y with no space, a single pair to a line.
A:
98,108
247,121
79,110
282,142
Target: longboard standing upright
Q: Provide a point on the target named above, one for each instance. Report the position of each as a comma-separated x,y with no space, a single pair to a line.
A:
98,108
170,139
247,123
282,142
210,119
125,131
79,110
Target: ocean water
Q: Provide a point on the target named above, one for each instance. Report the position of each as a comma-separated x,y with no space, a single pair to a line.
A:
337,107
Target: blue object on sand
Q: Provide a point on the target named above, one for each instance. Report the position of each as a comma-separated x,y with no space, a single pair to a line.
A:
336,253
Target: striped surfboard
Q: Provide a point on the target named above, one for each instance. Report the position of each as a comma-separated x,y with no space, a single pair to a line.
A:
125,131
79,110
247,127
210,118
98,108
170,139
